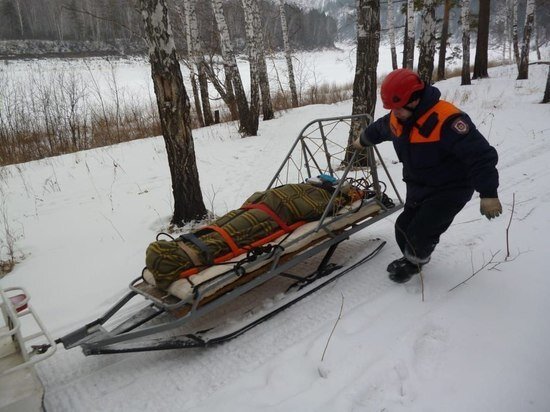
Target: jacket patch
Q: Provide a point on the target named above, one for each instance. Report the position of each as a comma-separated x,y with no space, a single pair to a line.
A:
460,126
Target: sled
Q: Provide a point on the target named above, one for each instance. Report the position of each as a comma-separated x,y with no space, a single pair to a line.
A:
223,301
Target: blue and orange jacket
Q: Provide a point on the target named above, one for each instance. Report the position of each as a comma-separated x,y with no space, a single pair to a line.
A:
440,149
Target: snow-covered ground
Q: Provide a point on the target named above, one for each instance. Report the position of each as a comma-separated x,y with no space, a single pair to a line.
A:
83,221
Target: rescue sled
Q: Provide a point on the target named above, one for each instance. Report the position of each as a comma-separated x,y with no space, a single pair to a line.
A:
225,300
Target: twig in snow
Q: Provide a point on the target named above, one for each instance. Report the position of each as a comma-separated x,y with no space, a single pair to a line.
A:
334,327
490,262
508,227
114,227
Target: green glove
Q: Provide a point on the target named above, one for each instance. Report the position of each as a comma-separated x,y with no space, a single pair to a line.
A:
490,207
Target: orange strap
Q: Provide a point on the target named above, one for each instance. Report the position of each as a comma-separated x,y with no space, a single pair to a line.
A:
265,208
233,253
232,245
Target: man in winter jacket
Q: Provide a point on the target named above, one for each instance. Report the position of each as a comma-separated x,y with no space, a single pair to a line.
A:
445,158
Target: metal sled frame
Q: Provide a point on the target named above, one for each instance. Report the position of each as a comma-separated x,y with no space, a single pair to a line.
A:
317,150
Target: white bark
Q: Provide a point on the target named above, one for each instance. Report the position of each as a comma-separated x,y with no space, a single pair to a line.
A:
248,120
427,42
391,33
515,30
197,59
465,17
524,58
190,62
288,54
253,55
410,34
263,78
365,81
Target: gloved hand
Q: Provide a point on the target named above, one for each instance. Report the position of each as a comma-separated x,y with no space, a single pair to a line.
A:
357,144
490,207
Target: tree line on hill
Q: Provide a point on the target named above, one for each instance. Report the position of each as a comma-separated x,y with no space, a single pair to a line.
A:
117,22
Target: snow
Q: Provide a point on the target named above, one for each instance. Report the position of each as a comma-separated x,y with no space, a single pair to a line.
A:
82,222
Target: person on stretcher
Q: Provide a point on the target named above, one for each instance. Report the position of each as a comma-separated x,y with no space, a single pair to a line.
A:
264,217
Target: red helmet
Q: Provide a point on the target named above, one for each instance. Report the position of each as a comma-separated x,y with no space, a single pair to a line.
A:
398,86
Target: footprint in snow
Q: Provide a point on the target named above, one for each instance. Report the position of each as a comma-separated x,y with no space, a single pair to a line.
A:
428,350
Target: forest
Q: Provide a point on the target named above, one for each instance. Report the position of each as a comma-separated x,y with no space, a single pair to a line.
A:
116,27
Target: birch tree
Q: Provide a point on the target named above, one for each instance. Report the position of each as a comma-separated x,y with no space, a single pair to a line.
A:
515,31
248,119
465,18
391,34
288,54
482,43
368,43
443,41
427,42
174,112
253,59
523,68
197,58
408,47
191,66
263,78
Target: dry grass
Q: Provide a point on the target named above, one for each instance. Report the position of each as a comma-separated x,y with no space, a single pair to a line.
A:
457,71
66,116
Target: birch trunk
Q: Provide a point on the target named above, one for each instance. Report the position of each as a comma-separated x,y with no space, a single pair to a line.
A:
427,42
391,33
368,43
523,72
288,54
443,41
263,78
465,17
248,119
253,59
409,62
173,106
190,64
197,58
515,31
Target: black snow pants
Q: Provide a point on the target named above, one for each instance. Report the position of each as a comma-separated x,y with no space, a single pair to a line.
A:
419,226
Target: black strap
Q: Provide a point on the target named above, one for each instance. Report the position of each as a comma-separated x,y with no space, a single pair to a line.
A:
199,244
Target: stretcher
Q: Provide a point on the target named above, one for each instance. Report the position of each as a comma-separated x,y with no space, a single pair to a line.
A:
225,300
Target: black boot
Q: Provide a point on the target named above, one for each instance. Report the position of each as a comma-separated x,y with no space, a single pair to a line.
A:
401,270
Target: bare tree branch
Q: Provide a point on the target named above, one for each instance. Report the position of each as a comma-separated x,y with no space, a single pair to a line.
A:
491,261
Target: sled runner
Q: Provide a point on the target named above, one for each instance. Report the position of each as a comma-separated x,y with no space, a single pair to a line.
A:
202,304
